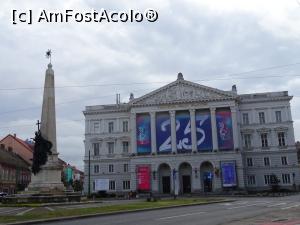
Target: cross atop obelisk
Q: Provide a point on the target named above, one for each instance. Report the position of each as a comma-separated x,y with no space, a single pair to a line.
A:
48,55
38,123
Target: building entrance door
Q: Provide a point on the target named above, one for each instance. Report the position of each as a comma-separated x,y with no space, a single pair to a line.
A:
166,184
207,181
186,184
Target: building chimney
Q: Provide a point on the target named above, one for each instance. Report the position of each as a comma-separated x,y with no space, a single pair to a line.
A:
118,99
15,135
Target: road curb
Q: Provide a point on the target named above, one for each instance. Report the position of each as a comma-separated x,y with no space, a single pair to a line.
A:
110,213
48,204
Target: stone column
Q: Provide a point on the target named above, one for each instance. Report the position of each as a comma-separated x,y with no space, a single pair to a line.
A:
153,132
253,116
234,127
290,113
269,118
173,130
118,126
214,128
133,132
87,122
193,129
272,138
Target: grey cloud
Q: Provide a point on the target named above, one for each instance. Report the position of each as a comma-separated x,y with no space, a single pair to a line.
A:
194,40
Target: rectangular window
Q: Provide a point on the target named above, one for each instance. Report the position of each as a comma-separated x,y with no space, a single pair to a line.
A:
264,140
96,149
261,117
96,168
111,147
267,161
126,168
110,127
247,140
125,126
245,118
126,184
281,139
284,160
251,180
286,179
278,116
111,168
267,179
249,162
125,145
96,127
112,185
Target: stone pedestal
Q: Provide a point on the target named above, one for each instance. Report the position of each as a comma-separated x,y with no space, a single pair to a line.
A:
48,180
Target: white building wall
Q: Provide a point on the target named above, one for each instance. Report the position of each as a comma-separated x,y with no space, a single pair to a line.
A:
247,104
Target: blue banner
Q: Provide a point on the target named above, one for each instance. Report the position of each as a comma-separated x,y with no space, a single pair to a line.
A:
183,131
228,174
143,133
163,132
224,129
203,131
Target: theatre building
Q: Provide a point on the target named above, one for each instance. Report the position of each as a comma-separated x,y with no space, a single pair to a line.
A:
185,137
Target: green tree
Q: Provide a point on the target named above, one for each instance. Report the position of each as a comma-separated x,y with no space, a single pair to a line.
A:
77,186
274,183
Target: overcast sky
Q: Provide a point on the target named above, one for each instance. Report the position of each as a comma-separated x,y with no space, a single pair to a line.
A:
211,42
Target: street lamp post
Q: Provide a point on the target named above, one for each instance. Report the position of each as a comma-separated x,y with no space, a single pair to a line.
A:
89,175
174,187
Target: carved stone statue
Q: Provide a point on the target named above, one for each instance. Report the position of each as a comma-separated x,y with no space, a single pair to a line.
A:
41,150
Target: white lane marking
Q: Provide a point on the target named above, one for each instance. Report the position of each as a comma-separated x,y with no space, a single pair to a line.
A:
243,206
281,203
235,203
23,212
241,203
226,204
9,211
188,214
292,206
50,209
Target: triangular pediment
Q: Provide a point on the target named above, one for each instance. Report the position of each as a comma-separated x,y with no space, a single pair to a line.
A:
183,91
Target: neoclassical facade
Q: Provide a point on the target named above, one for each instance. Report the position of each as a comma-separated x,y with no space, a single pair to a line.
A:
185,137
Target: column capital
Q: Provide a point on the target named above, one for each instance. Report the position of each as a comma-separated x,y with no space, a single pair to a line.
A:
172,112
233,109
152,113
192,110
133,114
212,109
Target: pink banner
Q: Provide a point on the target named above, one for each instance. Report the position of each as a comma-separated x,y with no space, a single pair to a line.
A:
144,178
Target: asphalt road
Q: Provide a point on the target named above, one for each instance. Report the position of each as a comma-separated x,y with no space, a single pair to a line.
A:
214,214
23,210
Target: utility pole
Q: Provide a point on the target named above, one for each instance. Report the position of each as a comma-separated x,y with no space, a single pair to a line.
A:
89,175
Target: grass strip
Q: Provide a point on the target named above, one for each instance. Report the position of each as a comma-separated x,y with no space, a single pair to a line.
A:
36,215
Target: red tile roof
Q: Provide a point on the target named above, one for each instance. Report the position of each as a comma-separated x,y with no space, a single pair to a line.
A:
25,144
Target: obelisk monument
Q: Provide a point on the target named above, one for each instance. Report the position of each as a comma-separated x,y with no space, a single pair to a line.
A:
48,179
